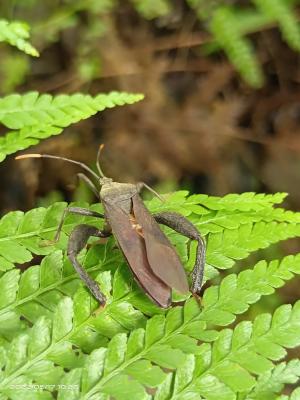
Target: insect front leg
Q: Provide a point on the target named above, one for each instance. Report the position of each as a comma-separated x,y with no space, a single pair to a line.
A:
142,185
77,241
89,183
182,225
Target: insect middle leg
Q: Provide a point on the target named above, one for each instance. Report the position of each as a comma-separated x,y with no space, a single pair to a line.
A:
77,241
75,210
183,226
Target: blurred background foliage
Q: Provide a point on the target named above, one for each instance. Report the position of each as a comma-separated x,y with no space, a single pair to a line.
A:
222,106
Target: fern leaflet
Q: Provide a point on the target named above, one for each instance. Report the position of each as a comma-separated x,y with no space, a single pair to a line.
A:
16,34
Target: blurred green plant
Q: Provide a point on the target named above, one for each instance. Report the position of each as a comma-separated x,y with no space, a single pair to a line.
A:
16,34
230,26
14,69
150,9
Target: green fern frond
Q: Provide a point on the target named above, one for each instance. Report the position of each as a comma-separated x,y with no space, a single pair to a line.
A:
201,204
39,289
214,214
131,350
56,336
22,235
238,49
16,34
39,116
229,367
30,109
235,244
236,293
238,202
129,364
217,222
281,12
28,352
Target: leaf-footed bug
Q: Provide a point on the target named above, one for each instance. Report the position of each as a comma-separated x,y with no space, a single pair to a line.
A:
151,257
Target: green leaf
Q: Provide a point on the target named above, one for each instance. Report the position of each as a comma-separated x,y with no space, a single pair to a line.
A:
40,337
135,343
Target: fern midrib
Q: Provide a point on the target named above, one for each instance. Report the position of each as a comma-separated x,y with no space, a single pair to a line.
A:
248,214
264,205
39,232
95,220
49,108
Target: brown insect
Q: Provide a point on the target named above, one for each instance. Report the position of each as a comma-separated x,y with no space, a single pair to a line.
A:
151,257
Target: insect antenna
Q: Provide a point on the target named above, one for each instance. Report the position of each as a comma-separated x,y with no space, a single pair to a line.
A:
82,165
101,147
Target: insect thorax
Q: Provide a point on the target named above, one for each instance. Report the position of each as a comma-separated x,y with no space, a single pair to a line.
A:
119,194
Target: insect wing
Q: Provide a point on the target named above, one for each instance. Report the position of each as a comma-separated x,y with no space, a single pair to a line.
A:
162,257
133,247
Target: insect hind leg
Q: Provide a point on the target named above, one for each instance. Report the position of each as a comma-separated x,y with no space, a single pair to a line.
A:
182,225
